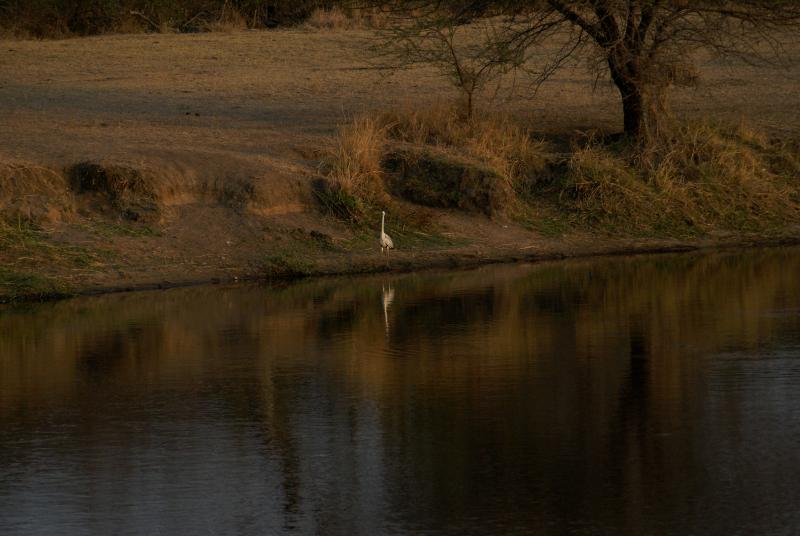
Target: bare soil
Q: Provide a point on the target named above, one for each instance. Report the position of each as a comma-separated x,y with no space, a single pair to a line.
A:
227,129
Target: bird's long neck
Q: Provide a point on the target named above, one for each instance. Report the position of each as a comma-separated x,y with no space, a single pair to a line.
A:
383,218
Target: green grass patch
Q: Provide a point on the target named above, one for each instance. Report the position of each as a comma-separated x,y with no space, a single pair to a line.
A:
111,230
407,231
22,285
30,245
546,221
286,266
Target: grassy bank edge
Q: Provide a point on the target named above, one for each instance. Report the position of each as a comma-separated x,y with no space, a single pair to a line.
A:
443,261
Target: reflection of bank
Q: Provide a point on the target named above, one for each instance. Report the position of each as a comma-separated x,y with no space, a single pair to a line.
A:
577,308
387,297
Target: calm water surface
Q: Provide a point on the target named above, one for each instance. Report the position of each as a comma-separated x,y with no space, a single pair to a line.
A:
646,395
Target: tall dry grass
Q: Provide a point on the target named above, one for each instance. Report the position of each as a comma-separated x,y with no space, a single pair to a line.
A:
494,142
32,193
330,19
491,158
701,178
337,18
230,20
352,169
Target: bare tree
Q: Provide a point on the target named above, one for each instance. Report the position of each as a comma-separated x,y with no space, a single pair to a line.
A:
473,49
645,46
465,54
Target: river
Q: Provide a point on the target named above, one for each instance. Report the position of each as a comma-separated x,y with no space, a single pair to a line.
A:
628,395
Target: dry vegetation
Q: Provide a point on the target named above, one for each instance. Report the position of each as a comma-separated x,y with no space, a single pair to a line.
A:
337,18
58,19
433,157
352,167
701,178
65,18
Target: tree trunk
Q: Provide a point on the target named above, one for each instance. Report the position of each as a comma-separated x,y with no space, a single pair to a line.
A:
629,84
633,112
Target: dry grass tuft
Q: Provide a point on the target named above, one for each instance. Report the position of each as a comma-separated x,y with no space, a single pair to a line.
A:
436,158
701,178
352,168
496,145
369,18
336,18
331,19
601,187
33,194
438,126
230,21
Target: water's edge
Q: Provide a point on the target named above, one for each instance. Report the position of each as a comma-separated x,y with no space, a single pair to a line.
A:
429,262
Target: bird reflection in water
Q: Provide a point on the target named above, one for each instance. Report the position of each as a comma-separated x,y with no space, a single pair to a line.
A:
387,297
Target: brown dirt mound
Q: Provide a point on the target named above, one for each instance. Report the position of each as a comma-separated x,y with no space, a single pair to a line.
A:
438,179
125,190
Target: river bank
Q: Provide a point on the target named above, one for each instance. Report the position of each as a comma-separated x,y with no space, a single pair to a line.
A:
178,159
52,283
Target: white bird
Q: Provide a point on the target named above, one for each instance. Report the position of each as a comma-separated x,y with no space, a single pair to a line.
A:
385,240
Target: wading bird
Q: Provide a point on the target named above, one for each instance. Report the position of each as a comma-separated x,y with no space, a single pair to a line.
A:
385,239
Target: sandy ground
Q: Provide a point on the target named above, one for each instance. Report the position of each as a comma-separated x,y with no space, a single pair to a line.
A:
259,104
